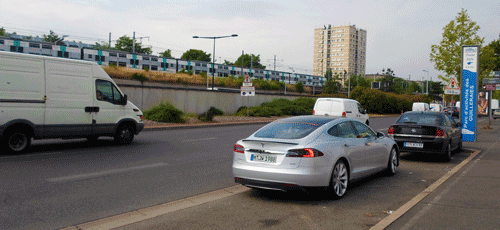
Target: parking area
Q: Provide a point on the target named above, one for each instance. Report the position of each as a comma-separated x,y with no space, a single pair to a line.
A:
367,202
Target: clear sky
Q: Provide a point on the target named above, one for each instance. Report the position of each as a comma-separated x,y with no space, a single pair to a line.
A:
399,33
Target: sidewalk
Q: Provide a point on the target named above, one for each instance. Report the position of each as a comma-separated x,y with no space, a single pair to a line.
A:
470,199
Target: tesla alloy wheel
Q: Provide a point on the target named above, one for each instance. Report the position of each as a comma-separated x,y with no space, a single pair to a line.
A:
340,179
393,163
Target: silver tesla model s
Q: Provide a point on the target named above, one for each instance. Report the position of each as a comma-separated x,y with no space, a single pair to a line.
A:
304,152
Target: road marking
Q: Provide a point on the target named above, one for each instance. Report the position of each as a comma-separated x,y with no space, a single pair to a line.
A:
104,173
203,139
158,210
384,223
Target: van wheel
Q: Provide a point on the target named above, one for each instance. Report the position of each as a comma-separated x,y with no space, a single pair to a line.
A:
124,135
17,141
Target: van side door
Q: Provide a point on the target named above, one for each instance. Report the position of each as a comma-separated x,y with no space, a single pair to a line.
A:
107,98
69,93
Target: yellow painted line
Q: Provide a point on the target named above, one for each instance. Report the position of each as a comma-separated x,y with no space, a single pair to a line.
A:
158,210
384,223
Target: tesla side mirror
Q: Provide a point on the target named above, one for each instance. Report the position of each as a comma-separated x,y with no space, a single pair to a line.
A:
380,135
124,99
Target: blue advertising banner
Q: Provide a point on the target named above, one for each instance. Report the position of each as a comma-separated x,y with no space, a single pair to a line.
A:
470,66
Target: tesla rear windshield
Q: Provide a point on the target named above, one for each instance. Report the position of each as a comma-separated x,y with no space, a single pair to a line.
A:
419,119
293,130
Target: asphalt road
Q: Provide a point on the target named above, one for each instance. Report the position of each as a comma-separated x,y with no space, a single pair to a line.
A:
67,182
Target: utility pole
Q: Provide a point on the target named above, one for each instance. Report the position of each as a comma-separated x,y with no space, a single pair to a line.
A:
109,44
133,41
275,61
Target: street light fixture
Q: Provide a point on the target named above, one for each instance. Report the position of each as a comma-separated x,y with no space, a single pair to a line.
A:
213,59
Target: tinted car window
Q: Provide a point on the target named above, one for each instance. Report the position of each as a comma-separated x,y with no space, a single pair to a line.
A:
344,130
287,130
447,121
363,130
419,119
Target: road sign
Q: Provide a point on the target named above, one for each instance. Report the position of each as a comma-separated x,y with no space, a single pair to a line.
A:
247,88
247,79
247,83
452,91
468,115
490,87
453,84
498,86
247,93
491,81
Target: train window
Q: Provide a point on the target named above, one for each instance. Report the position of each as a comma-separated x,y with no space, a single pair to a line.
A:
1,42
122,55
198,64
112,54
90,57
46,46
145,67
154,59
145,58
204,65
112,63
34,45
122,63
154,67
172,65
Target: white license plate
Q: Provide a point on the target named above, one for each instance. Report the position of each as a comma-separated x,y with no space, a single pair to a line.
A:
263,158
414,145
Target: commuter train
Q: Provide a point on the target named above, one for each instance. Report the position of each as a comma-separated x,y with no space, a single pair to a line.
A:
151,62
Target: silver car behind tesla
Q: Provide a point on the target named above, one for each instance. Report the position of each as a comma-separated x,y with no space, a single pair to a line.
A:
304,152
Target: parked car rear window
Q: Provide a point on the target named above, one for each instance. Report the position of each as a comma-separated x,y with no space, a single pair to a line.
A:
419,119
287,130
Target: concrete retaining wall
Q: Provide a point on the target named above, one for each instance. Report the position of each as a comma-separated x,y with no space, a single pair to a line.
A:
192,99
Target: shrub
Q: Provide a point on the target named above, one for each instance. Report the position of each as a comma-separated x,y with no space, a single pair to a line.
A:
241,109
164,112
206,116
190,72
299,87
139,77
215,111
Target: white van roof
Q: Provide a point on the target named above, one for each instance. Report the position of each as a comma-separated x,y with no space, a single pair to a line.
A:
337,98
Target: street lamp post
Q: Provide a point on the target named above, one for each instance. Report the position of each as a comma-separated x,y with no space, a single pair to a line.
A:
427,80
213,59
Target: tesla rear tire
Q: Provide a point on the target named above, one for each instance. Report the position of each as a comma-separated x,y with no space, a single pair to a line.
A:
393,163
340,180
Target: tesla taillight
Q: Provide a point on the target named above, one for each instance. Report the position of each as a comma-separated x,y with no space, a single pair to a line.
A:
344,114
439,133
307,152
239,149
391,130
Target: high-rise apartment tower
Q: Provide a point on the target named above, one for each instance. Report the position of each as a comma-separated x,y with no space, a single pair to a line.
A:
339,49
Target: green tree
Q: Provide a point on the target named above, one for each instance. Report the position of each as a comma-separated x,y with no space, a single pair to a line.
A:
414,87
435,88
226,62
196,55
328,74
124,43
447,56
331,87
53,38
102,46
3,33
166,54
299,86
249,60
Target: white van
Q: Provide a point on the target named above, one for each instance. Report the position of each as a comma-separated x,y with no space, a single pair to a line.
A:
420,106
436,107
457,104
340,107
48,97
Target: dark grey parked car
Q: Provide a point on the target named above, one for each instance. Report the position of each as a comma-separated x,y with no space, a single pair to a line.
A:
427,132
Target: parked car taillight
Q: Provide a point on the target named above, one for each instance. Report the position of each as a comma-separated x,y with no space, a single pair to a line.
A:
439,133
238,148
314,111
307,152
344,114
